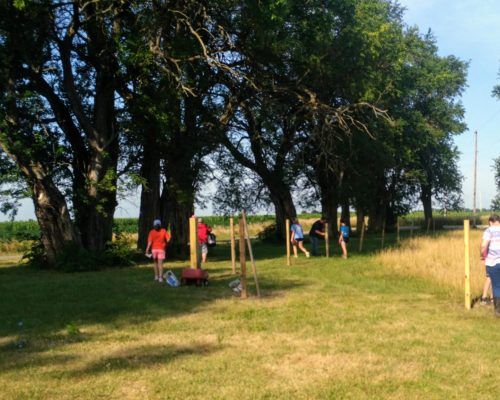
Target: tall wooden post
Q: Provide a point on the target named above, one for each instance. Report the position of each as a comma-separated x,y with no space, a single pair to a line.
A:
288,258
327,240
475,180
233,245
250,252
467,264
361,239
243,265
193,243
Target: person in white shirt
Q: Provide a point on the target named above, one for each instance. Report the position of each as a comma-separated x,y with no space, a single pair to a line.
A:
490,253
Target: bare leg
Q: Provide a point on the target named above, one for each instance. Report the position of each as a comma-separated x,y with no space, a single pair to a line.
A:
157,276
160,270
344,249
295,250
302,248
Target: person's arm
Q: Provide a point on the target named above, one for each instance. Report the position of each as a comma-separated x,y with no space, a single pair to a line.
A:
319,232
148,247
484,249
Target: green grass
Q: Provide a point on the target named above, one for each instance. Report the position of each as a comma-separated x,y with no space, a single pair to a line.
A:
324,329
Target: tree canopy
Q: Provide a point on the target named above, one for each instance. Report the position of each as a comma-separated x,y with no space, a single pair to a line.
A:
278,103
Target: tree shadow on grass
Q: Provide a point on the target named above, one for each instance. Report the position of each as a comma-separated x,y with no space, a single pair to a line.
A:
44,303
143,357
126,358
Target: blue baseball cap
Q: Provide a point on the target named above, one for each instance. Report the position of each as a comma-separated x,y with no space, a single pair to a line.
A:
156,222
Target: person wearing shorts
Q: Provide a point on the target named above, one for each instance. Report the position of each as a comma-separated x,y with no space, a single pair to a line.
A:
203,231
344,237
158,239
297,238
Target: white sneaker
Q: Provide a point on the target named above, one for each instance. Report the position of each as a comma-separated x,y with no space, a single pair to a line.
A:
160,280
307,254
295,256
156,278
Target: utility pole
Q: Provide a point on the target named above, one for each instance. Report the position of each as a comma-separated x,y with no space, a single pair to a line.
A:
475,178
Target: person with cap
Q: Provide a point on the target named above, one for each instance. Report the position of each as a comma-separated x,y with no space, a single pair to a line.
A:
158,239
203,231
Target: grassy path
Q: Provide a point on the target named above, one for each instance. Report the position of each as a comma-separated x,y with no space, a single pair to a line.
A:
325,329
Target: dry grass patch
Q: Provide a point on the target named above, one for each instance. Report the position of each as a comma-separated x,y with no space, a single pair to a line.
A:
438,258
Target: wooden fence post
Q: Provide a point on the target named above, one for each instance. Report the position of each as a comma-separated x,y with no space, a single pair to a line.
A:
233,245
467,264
193,243
250,252
243,266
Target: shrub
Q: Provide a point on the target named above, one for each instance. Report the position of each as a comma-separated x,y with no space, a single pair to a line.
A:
118,253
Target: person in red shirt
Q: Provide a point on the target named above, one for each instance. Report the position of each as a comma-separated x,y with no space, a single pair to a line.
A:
203,231
158,239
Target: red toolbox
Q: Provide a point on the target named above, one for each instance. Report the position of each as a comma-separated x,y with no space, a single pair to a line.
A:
196,276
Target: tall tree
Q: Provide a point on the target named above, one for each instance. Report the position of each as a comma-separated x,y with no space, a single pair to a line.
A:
65,54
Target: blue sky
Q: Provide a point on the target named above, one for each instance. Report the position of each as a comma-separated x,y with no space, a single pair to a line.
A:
470,30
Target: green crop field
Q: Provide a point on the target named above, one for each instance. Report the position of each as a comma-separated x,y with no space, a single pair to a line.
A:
323,329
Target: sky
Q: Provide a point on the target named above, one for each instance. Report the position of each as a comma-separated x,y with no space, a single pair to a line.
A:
469,30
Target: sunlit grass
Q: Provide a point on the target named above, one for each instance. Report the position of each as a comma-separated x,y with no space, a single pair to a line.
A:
439,258
324,329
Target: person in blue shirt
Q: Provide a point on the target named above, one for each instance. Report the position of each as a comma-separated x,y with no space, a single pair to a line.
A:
344,237
297,238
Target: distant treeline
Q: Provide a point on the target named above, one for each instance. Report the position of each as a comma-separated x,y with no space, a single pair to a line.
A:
29,230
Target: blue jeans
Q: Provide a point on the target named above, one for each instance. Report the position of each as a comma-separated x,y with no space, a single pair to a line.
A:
494,273
314,245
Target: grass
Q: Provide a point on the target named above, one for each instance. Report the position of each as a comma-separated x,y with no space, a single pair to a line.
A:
324,329
439,258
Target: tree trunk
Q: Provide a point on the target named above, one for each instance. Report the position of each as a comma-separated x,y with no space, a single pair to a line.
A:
329,196
346,214
51,210
284,208
426,198
150,191
53,218
177,206
360,216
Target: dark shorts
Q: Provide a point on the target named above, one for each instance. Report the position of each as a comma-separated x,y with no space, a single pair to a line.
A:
299,240
345,239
